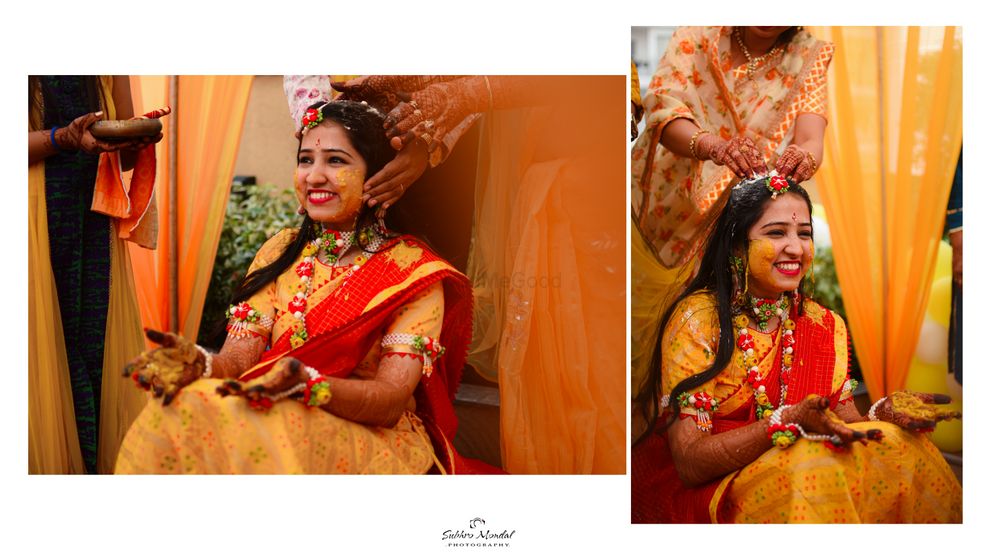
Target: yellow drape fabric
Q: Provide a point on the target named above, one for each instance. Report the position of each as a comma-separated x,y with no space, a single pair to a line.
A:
892,142
120,401
53,447
120,404
209,120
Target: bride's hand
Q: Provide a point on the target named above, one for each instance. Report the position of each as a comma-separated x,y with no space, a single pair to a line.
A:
814,415
279,382
915,411
167,369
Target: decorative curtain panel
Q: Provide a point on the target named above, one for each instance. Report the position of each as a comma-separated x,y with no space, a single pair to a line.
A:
209,119
891,147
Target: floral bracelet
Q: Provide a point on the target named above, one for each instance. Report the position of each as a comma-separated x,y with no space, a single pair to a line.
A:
317,389
704,404
428,347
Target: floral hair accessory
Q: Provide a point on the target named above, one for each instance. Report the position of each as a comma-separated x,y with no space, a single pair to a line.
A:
777,185
311,118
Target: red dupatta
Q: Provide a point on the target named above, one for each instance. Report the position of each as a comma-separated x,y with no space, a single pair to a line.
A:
658,496
345,325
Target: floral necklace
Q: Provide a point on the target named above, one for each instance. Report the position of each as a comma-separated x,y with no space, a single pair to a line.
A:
335,244
745,342
765,309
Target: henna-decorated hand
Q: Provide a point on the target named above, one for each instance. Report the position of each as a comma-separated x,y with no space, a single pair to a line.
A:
389,184
431,112
169,368
76,136
739,154
279,382
915,411
814,415
796,163
379,91
382,91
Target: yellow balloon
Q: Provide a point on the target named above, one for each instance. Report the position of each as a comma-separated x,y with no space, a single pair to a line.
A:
939,305
927,377
942,266
933,377
932,345
947,436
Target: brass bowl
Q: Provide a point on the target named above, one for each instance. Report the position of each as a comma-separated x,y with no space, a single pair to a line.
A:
122,129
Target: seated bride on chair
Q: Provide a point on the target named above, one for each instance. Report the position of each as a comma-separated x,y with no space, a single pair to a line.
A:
336,359
749,404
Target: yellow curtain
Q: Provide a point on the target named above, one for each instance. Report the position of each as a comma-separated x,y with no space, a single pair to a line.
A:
53,447
120,401
151,267
209,119
891,147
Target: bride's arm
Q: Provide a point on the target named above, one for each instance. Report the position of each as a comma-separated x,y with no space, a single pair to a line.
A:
379,401
383,399
700,457
237,355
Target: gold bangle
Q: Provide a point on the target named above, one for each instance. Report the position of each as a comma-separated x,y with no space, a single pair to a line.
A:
694,142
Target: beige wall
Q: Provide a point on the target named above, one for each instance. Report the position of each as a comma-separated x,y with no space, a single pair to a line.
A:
267,146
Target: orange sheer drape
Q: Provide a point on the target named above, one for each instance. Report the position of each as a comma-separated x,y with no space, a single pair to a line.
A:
548,269
209,119
890,152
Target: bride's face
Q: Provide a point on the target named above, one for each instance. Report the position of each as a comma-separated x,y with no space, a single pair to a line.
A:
781,247
330,176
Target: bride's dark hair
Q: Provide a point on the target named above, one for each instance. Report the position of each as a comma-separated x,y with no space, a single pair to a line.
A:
729,237
363,125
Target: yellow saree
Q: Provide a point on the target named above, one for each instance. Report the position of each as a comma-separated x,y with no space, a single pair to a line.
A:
201,432
902,478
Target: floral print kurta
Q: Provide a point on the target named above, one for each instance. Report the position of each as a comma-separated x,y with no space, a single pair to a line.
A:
675,199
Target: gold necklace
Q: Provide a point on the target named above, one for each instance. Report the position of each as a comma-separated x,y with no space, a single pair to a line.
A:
753,62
